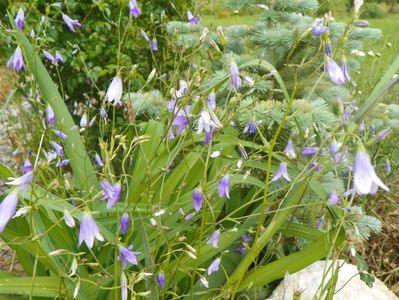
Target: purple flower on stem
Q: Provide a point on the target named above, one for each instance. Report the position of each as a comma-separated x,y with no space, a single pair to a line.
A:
388,167
209,136
214,266
365,180
383,134
144,35
103,113
89,230
125,223
50,116
27,166
112,193
60,134
49,56
192,19
224,187
289,150
319,30
282,172
328,50
316,166
58,57
161,280
198,197
62,163
246,238
20,19
180,121
212,101
309,151
334,148
135,11
128,256
208,121
16,61
71,23
250,127
344,69
333,198
235,75
346,114
154,45
99,160
319,222
214,239
8,208
114,92
58,148
336,74
22,181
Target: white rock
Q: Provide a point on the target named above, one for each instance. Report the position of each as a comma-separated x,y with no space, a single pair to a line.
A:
307,283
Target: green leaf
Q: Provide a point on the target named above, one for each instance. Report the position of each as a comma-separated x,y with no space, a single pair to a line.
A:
31,286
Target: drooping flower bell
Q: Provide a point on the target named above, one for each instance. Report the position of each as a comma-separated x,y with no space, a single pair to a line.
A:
112,193
127,255
58,57
49,56
16,61
250,127
309,151
89,230
27,166
214,266
334,151
154,45
365,180
207,121
318,28
60,134
333,198
62,163
135,11
161,278
224,187
282,172
68,219
289,150
58,148
144,35
198,197
194,20
98,160
20,19
8,208
125,223
23,181
214,239
235,75
50,116
337,75
71,23
114,92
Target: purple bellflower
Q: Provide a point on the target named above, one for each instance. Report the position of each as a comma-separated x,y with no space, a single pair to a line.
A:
328,50
309,151
214,266
208,121
49,56
89,231
62,163
208,136
282,172
154,45
27,166
224,187
20,19
84,122
161,280
103,113
112,193
125,223
388,167
383,134
60,134
22,181
16,61
71,23
135,11
289,150
333,198
50,116
365,180
319,30
58,148
337,75
114,92
344,69
8,208
214,239
99,161
181,120
212,101
192,19
250,127
235,76
319,223
334,148
144,35
128,256
58,57
198,197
